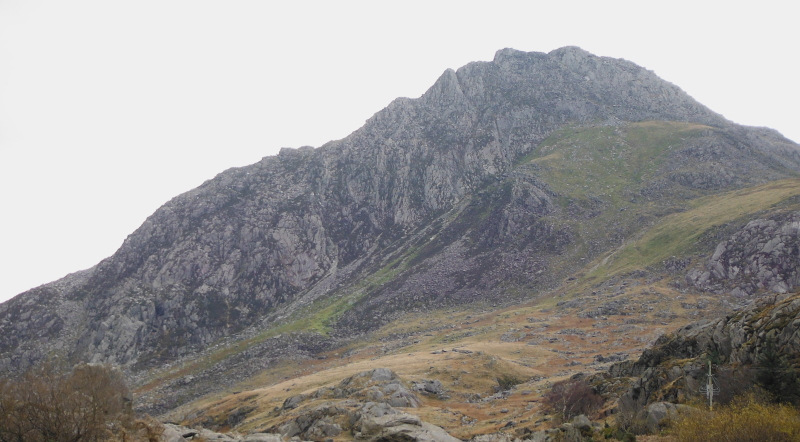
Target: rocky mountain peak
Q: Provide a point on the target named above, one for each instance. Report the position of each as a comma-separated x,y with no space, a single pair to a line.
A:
446,92
441,200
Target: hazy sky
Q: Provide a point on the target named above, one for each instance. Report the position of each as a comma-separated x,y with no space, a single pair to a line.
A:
109,108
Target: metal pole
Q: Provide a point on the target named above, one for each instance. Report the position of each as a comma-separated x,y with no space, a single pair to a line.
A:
710,388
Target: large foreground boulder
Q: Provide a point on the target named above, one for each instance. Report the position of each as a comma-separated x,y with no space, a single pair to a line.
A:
402,427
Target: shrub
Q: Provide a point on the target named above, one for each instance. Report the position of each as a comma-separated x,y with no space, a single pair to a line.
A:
88,403
744,420
618,434
571,398
734,381
508,381
629,418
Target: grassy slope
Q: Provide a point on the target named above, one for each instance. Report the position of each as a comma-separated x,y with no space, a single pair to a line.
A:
600,174
608,162
677,234
607,167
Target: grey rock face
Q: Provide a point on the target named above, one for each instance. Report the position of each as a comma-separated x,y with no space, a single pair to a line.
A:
255,244
764,256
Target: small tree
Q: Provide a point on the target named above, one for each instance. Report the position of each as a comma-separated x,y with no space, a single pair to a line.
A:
12,427
507,382
88,403
571,398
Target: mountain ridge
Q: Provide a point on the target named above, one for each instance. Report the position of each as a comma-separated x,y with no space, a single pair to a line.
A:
446,199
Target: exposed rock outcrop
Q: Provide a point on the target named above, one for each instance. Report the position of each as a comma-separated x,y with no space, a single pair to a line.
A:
673,369
363,405
764,256
178,433
401,428
379,385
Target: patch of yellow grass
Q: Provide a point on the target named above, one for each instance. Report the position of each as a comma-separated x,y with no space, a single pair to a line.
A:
745,421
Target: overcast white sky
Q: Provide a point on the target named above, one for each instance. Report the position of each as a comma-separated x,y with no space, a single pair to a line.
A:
109,108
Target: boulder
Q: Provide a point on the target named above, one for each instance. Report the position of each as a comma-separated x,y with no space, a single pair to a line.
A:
402,427
173,433
427,386
294,401
323,429
376,409
658,414
582,423
672,369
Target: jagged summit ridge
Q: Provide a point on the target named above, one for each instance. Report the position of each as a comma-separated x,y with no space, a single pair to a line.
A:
565,73
256,244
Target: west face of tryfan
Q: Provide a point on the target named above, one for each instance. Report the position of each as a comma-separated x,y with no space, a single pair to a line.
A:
500,181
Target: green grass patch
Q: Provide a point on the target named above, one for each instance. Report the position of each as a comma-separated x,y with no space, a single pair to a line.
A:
607,162
320,316
677,234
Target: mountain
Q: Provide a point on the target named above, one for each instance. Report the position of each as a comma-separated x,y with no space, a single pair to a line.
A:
507,182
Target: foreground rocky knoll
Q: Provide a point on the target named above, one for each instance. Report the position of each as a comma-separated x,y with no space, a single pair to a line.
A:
364,406
496,184
372,406
674,369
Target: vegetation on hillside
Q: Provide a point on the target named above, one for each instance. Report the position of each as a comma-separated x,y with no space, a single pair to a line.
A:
88,403
747,419
571,398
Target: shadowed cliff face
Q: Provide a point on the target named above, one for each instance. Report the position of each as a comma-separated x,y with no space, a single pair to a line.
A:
434,201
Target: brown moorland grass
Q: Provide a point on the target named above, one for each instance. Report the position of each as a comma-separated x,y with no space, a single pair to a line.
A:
543,357
746,420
